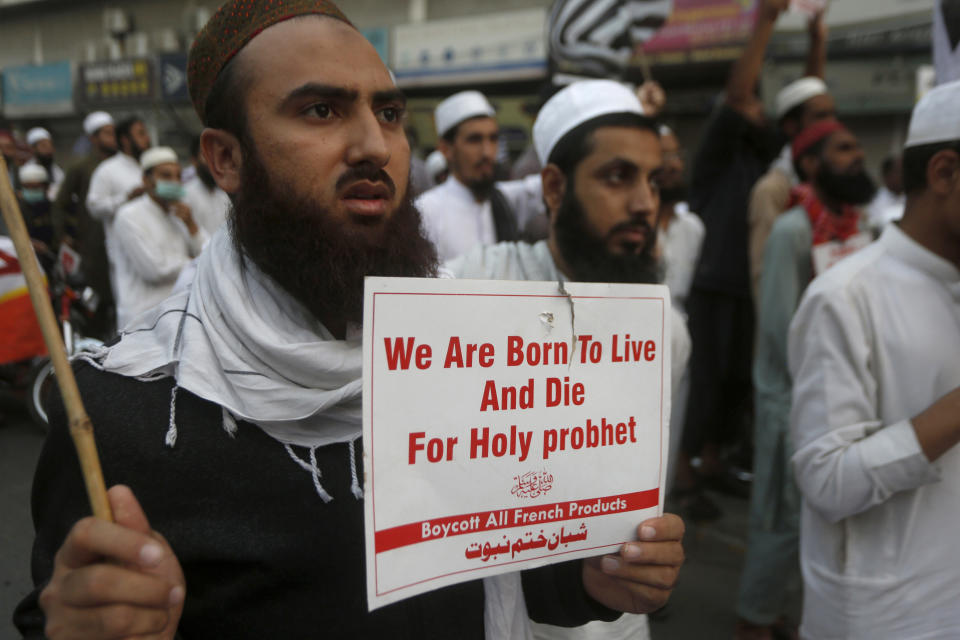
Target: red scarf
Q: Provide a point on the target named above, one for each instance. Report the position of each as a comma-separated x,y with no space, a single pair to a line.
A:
826,225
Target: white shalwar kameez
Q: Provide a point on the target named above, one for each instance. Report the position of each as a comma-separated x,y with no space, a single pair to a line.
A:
521,261
110,185
456,222
875,342
152,248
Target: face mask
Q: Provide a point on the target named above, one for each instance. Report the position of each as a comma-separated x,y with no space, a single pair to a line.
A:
170,190
34,196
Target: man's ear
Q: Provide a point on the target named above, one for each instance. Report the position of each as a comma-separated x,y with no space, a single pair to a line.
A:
943,172
221,150
554,185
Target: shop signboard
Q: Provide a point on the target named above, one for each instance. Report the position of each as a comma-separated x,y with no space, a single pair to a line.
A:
38,90
509,45
116,83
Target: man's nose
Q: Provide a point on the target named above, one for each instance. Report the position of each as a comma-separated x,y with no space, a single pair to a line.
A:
367,142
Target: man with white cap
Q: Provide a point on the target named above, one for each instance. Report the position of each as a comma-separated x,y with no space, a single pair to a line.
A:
798,105
41,145
70,210
874,354
118,180
601,159
156,237
470,208
35,206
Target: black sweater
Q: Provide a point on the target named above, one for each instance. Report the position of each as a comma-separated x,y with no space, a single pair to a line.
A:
263,556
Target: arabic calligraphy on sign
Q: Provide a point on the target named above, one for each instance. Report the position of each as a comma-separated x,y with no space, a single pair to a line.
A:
523,543
532,484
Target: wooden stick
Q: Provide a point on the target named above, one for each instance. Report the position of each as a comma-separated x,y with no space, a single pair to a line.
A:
81,430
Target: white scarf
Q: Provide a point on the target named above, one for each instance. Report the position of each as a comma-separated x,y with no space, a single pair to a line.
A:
238,339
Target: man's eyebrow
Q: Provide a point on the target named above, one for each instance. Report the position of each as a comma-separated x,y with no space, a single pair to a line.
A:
390,95
317,90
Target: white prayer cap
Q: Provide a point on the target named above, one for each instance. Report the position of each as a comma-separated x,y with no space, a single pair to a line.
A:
798,92
936,118
435,163
29,173
459,107
157,155
574,105
37,134
96,121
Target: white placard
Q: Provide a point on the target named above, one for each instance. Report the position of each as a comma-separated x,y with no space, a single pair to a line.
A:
508,425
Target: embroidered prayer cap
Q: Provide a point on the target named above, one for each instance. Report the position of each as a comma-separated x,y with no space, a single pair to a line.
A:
814,134
459,107
157,155
96,121
235,24
576,104
935,118
798,92
30,173
37,134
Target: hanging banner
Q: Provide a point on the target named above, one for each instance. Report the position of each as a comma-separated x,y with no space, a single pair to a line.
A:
38,90
704,25
508,425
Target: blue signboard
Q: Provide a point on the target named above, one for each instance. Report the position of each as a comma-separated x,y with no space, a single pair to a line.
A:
38,90
172,76
379,37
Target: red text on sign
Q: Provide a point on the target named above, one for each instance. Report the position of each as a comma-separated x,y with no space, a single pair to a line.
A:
400,352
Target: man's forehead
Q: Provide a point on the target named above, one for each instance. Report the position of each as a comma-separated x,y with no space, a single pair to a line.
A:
625,142
315,49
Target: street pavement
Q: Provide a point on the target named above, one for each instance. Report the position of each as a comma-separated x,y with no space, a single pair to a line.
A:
701,608
20,442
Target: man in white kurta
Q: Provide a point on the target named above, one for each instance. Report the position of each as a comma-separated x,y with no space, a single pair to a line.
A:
156,237
590,137
874,352
118,180
470,208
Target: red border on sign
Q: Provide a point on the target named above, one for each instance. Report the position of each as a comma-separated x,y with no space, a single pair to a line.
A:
372,497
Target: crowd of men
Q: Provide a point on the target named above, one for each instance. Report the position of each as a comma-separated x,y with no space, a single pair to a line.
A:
795,286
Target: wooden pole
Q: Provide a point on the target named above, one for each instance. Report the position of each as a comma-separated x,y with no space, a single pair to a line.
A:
81,430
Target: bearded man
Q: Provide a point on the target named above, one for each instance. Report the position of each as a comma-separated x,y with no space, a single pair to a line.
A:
824,226
602,160
232,411
471,208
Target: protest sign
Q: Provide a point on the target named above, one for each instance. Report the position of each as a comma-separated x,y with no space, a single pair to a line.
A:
508,425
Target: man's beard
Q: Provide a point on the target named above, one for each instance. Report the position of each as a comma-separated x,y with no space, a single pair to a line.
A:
588,257
319,261
853,189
